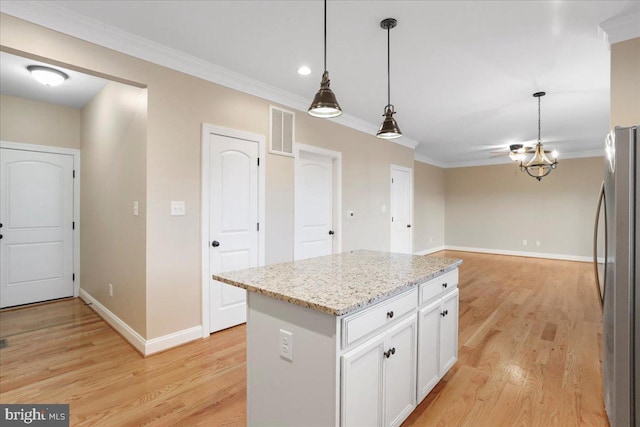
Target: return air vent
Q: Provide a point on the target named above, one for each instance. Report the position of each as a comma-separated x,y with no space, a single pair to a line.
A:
282,126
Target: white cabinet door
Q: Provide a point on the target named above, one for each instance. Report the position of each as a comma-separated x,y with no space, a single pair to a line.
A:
428,348
400,371
449,332
363,384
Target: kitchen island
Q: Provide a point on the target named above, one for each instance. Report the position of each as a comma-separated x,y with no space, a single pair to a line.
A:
353,339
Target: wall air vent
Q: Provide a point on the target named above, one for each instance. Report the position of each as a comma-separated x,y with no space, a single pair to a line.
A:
281,131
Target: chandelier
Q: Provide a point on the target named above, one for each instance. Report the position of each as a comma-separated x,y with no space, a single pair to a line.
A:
539,165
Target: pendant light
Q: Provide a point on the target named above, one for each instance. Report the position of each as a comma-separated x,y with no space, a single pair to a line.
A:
540,165
325,104
389,128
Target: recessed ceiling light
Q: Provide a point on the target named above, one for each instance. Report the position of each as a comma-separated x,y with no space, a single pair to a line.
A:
304,70
46,75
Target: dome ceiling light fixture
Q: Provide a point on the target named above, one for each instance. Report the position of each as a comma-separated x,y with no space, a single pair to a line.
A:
46,75
325,104
539,165
389,128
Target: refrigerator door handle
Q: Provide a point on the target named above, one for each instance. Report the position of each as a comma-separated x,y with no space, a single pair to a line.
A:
601,201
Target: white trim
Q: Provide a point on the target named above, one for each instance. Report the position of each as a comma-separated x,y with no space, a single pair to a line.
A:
67,22
522,253
134,338
620,28
165,342
76,195
208,129
428,160
430,251
336,156
144,347
410,171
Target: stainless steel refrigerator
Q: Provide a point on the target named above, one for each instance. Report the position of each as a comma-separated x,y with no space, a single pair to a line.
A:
619,278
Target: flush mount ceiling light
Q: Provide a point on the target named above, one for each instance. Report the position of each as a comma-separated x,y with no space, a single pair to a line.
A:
389,128
325,104
46,75
539,165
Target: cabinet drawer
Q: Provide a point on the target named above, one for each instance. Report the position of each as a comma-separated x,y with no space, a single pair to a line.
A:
438,285
360,324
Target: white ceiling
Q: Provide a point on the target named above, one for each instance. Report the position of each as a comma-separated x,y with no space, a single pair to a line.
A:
462,72
15,80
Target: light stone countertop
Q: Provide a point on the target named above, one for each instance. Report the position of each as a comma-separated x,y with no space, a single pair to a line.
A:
342,283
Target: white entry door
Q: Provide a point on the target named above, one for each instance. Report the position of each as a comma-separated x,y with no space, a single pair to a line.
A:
36,213
314,206
233,224
401,209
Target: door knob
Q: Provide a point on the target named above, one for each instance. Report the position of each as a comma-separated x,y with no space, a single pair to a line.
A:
408,225
215,243
331,232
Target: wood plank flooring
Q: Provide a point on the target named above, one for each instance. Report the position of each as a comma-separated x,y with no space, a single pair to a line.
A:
529,355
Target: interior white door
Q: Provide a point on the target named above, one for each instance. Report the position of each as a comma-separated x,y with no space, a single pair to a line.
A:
401,209
314,206
233,224
36,213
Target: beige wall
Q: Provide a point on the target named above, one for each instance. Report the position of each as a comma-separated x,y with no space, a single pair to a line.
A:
625,83
497,207
177,106
113,175
34,122
428,207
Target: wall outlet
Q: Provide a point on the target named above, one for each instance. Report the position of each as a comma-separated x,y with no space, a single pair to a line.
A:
286,345
135,208
430,239
524,243
110,290
538,243
384,209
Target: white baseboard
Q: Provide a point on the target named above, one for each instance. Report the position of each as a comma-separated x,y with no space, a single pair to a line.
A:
430,251
145,347
175,339
523,254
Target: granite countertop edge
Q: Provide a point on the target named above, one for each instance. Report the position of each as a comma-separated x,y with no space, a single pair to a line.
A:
343,310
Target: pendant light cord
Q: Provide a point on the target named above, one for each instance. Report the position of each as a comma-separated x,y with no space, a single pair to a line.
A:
388,66
325,36
539,119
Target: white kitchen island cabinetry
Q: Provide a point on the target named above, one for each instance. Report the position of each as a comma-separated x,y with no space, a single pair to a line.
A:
333,341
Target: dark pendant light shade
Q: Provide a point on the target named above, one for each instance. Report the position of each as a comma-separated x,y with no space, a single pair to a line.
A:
325,104
389,128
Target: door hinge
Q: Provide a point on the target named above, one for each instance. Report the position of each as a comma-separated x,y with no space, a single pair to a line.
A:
258,161
392,180
73,225
391,219
73,277
257,226
74,173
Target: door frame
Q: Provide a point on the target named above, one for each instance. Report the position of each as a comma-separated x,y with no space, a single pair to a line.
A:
75,153
208,129
391,204
336,157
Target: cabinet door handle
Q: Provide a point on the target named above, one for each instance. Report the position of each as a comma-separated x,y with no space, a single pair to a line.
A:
443,314
390,314
389,352
444,285
446,312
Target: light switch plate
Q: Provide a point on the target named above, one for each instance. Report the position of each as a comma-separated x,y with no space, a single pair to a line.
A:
177,208
135,208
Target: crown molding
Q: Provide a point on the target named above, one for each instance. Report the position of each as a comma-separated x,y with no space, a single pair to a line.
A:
620,28
67,22
428,160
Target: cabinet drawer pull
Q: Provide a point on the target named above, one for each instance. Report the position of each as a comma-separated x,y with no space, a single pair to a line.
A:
443,314
390,314
444,285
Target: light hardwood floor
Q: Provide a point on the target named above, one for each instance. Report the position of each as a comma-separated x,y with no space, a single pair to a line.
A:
529,355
